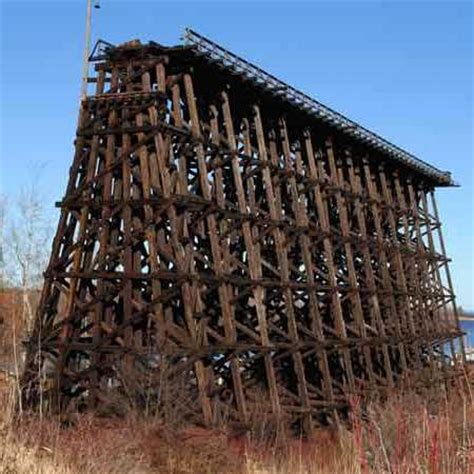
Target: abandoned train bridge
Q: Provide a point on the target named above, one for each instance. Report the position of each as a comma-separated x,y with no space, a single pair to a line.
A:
223,232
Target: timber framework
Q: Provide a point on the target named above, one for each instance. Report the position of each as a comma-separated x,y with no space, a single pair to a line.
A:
224,233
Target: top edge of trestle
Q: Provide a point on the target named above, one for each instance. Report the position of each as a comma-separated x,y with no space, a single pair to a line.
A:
198,48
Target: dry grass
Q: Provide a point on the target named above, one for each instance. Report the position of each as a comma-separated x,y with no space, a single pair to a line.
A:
404,435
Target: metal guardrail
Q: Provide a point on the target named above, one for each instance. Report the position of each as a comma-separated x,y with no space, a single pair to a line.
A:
230,61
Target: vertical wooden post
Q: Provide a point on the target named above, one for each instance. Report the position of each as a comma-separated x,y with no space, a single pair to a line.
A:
448,276
356,189
328,251
393,317
353,283
253,257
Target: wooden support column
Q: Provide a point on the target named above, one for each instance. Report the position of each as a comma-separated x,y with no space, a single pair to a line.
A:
201,372
225,291
447,272
149,182
424,279
405,311
315,174
31,381
254,260
354,296
127,242
316,326
74,288
104,235
283,264
389,295
438,284
411,258
356,189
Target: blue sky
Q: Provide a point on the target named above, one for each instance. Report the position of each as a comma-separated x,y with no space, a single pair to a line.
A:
403,69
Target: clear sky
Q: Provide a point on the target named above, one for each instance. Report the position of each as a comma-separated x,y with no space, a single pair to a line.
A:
403,69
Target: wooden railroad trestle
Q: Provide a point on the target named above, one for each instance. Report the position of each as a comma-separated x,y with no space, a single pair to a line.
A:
213,233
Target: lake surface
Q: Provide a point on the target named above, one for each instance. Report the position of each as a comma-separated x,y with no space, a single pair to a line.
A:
468,327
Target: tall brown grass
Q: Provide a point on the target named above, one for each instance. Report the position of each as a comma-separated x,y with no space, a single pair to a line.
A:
405,434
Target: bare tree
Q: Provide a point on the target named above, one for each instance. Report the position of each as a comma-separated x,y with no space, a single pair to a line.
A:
28,240
25,234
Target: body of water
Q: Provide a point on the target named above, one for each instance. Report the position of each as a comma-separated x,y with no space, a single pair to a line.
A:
468,327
